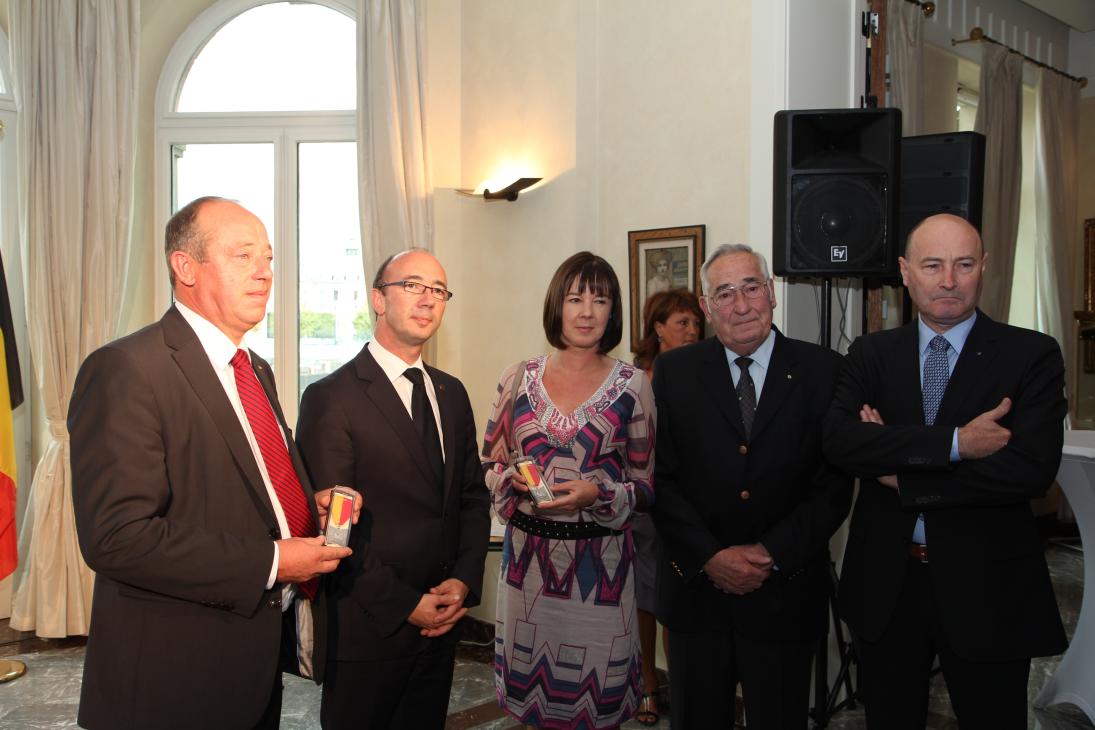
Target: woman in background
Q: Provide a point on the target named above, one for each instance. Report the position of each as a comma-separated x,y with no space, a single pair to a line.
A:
670,319
566,640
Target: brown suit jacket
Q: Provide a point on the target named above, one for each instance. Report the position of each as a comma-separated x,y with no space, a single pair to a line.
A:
173,516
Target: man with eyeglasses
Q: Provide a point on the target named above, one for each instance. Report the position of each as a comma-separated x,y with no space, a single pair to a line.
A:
403,435
746,505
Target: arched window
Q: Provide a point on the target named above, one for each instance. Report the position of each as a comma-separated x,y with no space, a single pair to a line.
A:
256,103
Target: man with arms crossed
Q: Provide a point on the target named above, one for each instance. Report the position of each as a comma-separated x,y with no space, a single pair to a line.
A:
953,423
191,503
746,505
403,434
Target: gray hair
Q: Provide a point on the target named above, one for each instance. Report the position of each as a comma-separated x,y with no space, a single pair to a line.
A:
725,250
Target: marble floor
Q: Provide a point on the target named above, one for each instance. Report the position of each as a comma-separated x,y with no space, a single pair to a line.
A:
47,695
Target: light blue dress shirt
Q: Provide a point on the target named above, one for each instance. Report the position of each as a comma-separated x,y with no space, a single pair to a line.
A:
956,336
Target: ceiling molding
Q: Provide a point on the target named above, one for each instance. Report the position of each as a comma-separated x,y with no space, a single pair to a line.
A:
1076,14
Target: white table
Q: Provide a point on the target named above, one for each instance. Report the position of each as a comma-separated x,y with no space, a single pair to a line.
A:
1074,679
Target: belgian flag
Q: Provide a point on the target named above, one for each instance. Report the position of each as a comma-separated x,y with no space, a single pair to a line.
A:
11,396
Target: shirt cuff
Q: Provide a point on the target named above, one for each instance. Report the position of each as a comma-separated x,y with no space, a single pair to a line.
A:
954,446
273,568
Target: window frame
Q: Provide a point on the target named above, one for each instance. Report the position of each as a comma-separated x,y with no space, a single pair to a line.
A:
285,130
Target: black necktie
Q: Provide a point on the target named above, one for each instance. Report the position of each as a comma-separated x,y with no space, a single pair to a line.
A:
422,415
747,394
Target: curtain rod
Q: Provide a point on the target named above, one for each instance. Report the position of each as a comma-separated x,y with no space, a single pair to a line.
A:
927,7
977,34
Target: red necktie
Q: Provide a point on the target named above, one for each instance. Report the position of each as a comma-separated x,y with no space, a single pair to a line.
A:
275,455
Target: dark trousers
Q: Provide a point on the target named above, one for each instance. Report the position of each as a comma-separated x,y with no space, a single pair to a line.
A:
705,668
409,692
894,671
287,660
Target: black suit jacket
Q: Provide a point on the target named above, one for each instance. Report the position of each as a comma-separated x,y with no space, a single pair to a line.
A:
987,561
354,430
173,516
717,489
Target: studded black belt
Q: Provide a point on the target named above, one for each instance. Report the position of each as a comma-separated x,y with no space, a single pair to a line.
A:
554,530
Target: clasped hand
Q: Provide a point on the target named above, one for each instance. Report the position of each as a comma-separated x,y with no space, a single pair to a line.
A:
568,496
439,610
739,569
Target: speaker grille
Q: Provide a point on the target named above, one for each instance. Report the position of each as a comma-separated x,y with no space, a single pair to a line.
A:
838,222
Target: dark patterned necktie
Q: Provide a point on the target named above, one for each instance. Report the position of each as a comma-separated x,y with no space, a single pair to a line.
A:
424,422
936,375
747,394
275,455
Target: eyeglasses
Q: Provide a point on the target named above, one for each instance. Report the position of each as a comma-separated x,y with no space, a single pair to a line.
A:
440,293
726,295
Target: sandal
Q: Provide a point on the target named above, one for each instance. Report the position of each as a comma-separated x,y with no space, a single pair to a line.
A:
647,714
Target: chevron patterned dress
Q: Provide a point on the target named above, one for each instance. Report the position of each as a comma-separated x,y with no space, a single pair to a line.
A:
566,639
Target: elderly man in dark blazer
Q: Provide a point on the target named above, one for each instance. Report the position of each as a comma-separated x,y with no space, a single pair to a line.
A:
954,423
403,434
191,503
746,505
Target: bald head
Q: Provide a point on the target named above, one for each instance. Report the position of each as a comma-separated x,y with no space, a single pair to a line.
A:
942,225
942,268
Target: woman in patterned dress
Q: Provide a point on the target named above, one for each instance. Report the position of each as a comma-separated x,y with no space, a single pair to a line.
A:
566,640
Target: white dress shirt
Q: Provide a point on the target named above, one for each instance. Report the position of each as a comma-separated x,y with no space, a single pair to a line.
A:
758,369
221,350
394,367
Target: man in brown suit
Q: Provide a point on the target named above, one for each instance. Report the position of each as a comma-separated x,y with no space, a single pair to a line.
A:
191,502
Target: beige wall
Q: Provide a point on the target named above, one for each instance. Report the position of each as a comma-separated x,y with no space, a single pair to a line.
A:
635,119
940,74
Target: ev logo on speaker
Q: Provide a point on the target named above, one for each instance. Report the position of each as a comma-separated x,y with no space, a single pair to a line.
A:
838,254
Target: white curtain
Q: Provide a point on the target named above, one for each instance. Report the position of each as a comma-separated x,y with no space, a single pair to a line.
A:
395,193
904,41
1057,257
1000,119
75,71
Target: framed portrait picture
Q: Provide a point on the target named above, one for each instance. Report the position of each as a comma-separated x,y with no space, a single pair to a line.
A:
662,259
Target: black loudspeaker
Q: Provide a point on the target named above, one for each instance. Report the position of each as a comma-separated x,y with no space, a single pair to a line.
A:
941,173
834,207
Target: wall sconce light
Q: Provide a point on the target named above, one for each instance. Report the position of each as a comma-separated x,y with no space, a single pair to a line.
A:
507,193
